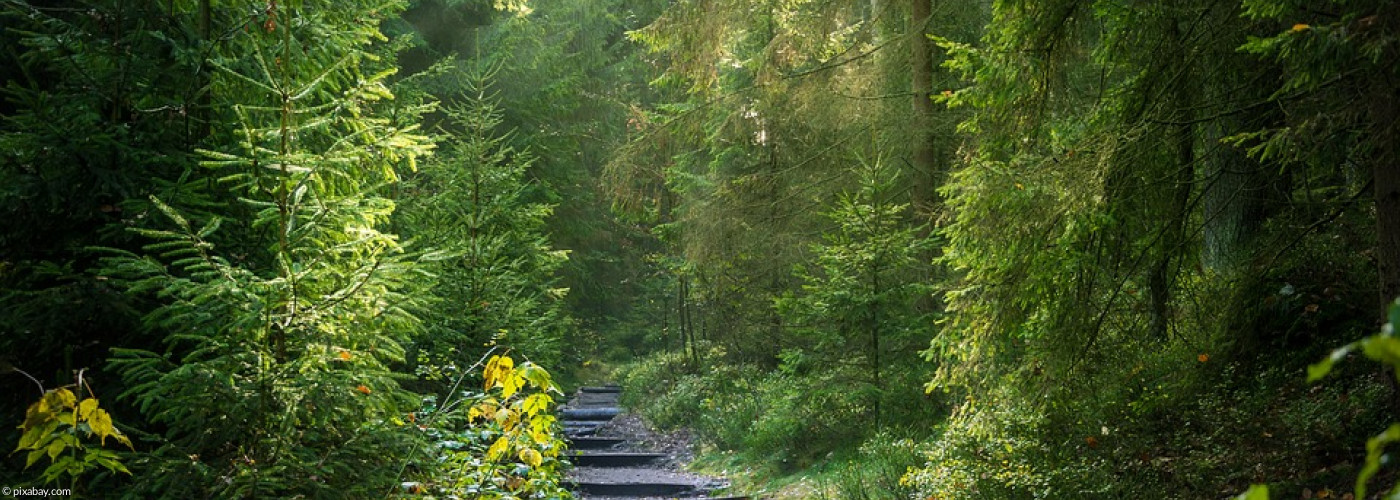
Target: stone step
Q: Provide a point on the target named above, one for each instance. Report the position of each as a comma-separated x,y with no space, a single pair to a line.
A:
589,414
594,443
614,459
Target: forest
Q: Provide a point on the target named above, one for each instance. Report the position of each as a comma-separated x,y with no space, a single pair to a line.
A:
873,249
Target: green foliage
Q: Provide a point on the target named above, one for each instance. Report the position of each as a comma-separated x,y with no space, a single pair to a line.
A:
55,426
987,453
779,419
98,110
877,471
500,443
1124,233
1255,492
1324,58
277,379
1384,348
564,89
494,266
858,316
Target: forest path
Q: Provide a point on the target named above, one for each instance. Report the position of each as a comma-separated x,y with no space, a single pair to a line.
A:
617,456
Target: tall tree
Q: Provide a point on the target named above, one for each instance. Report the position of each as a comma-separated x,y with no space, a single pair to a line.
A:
276,378
100,110
1339,78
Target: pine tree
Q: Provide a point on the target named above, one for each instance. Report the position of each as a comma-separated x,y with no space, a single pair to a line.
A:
856,311
496,272
276,377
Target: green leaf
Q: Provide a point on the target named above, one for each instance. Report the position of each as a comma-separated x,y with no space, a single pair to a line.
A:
55,448
1321,368
34,437
1255,492
1385,349
537,375
33,457
1375,449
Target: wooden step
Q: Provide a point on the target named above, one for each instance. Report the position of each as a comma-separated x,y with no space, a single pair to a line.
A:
633,489
601,388
594,443
578,432
614,459
589,414
582,428
593,399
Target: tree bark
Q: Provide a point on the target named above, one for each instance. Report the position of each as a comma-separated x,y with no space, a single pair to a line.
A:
1385,177
925,161
1233,205
1172,241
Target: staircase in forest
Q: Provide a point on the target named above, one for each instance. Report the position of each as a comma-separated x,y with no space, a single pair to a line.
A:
611,454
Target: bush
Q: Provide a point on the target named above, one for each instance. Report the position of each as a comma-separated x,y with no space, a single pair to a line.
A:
775,418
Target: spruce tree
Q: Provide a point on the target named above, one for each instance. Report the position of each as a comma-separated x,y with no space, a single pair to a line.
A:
276,380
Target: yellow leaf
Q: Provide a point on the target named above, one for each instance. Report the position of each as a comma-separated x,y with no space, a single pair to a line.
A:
510,384
531,457
37,415
343,355
507,418
59,398
497,449
491,371
87,408
542,423
121,438
539,437
536,403
101,424
1300,27
505,369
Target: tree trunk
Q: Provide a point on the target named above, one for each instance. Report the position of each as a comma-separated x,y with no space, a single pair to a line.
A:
1234,194
925,172
1385,177
1237,193
203,112
1172,240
